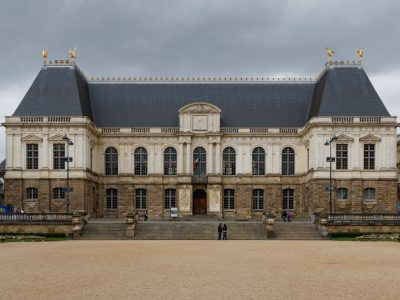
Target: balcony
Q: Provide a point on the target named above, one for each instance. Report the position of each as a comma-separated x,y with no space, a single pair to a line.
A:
199,179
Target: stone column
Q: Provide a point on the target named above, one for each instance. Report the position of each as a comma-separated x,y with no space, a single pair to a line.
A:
217,158
45,153
180,160
210,165
188,158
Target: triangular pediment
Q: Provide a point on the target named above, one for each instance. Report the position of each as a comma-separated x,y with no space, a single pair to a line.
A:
57,138
31,138
370,138
199,108
344,138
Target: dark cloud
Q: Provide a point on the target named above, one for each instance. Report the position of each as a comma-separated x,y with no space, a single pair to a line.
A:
195,37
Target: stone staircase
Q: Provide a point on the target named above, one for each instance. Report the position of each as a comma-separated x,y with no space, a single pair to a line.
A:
296,230
198,230
103,229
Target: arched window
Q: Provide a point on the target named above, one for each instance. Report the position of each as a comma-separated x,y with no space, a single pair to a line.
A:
229,161
258,199
199,161
258,161
369,195
58,193
32,193
341,194
141,199
111,157
288,161
170,198
140,161
288,199
111,198
170,161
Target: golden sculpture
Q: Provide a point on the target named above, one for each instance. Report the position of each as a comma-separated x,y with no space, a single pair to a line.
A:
72,55
44,55
360,53
330,53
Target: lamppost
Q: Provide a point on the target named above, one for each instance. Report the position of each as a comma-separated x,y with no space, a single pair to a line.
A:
68,160
330,159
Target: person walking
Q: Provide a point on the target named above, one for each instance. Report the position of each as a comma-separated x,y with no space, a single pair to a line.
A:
284,215
220,231
225,232
289,215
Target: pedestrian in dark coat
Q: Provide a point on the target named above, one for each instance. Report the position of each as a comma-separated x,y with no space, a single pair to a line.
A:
220,231
225,232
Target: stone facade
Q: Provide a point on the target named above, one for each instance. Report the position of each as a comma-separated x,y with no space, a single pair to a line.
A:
200,127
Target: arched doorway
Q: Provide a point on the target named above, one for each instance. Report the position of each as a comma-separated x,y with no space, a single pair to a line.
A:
199,202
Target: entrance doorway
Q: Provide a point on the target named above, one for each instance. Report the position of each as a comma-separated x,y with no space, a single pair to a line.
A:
199,202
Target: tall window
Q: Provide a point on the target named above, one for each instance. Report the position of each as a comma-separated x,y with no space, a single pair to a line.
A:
369,195
288,161
140,161
288,199
369,156
141,199
258,161
229,199
32,156
341,194
258,199
58,193
170,198
111,199
199,161
59,156
229,161
170,161
341,156
32,193
111,161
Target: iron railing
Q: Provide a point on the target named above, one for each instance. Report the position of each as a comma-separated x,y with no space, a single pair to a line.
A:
42,218
363,219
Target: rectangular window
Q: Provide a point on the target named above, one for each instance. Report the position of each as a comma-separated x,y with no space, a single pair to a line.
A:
229,199
341,156
32,156
59,156
369,156
170,198
258,199
140,198
288,199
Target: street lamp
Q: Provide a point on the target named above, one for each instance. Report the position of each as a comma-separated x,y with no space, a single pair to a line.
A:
68,160
330,159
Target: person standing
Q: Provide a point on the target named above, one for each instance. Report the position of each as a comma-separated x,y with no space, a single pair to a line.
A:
146,216
225,232
289,215
220,231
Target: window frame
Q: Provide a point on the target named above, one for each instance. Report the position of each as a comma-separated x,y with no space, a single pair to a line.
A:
288,199
258,200
140,158
229,161
229,199
342,194
288,161
170,161
32,156
258,161
169,198
369,156
59,156
141,199
201,154
111,199
367,193
58,193
111,161
32,194
342,156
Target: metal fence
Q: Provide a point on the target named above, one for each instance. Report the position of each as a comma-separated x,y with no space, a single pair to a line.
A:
364,219
29,218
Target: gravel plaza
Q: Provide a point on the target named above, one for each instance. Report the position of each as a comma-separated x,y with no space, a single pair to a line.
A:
200,270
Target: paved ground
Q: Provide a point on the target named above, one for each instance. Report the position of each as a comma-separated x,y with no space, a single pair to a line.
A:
200,270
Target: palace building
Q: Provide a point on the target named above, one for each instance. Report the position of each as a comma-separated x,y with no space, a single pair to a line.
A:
233,148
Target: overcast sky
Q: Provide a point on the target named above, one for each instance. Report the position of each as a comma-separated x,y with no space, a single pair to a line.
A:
196,38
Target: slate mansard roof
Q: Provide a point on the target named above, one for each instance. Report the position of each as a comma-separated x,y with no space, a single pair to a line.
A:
61,90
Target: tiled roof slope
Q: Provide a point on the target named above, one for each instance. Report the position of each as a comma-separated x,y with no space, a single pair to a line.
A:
63,91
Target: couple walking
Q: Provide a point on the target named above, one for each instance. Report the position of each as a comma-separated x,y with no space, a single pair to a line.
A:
222,232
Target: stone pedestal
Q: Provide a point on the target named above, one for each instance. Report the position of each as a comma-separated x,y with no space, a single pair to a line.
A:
130,228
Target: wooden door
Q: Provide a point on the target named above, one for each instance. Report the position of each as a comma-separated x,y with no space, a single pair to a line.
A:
199,202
